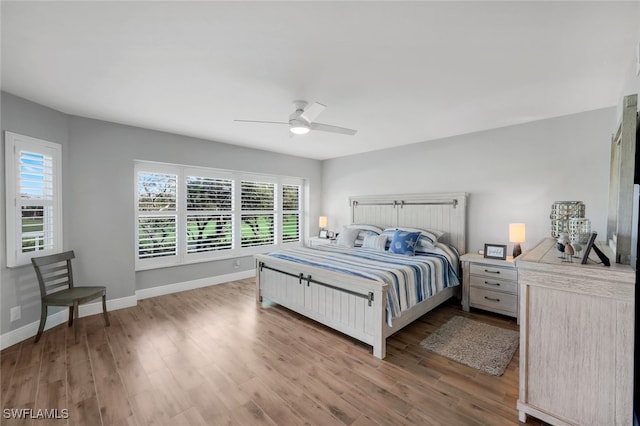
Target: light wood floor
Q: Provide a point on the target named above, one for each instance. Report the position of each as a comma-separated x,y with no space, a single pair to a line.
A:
212,356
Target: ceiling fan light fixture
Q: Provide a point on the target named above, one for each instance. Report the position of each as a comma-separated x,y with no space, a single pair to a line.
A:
299,129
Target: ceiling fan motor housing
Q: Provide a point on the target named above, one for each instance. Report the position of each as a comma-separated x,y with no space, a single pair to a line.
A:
297,123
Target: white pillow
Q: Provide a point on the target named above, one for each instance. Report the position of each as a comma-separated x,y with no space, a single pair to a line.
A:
347,237
365,227
364,231
376,242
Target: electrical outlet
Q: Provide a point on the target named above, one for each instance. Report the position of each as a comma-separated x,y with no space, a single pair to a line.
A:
15,313
236,264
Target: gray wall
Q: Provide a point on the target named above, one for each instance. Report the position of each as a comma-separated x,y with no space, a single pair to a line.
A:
631,80
98,198
103,154
18,286
512,174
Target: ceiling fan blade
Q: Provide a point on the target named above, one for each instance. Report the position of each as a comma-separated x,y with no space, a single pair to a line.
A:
311,112
258,121
334,129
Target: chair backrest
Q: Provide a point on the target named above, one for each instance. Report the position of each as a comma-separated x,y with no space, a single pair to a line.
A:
53,271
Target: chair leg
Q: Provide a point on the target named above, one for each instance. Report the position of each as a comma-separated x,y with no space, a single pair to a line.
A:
75,326
70,316
104,310
43,320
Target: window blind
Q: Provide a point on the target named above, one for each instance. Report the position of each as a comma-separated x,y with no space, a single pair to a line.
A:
36,177
157,215
209,214
258,213
290,213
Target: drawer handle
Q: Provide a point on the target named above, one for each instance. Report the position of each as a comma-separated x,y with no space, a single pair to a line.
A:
492,299
496,284
491,272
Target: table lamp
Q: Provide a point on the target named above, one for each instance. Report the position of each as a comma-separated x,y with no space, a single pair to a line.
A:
516,236
322,223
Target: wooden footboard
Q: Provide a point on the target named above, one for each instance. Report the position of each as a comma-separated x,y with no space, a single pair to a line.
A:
351,305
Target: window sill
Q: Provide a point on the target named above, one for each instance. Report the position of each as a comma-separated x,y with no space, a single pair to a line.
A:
227,256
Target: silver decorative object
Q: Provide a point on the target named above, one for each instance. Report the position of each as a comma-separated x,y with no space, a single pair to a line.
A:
579,230
561,212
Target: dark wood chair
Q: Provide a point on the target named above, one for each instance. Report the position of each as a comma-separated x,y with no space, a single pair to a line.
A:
56,289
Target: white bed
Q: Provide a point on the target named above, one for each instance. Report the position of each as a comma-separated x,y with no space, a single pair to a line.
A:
357,306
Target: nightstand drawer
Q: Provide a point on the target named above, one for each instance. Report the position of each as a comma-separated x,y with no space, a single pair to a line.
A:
490,283
494,300
494,272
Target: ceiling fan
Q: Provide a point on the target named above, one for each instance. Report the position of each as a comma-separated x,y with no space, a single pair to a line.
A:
302,120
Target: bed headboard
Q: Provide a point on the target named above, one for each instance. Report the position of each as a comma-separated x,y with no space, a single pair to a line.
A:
442,211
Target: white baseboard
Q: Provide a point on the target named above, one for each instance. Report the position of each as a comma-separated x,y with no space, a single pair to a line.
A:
190,285
18,335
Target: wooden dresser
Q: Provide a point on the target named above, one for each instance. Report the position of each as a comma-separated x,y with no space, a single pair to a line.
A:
576,339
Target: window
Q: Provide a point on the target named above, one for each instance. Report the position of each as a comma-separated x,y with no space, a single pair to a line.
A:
258,213
209,214
188,214
33,203
290,213
157,215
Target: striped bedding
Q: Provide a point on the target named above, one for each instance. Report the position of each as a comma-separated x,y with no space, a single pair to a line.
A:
410,279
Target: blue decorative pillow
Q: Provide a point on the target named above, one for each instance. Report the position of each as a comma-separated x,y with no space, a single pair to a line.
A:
404,242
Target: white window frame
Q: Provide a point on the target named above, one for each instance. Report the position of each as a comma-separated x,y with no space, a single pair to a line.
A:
182,171
157,262
14,143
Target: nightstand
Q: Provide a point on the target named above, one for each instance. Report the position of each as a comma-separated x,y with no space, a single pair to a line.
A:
317,241
490,284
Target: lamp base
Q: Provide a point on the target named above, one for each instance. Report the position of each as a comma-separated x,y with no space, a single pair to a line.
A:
517,251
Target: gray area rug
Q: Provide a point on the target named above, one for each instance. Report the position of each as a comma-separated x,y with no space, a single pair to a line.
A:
478,345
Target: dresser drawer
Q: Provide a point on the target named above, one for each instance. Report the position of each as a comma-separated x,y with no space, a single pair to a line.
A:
494,300
491,283
494,272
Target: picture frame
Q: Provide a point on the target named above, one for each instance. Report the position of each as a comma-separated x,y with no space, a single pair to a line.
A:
587,248
495,251
331,235
323,233
591,245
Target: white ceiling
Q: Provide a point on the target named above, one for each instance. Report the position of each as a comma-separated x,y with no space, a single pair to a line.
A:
400,73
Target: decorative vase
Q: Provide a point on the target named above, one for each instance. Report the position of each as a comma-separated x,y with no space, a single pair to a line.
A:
579,229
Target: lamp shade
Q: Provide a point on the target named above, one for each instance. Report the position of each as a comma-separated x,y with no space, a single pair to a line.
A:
517,233
322,222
